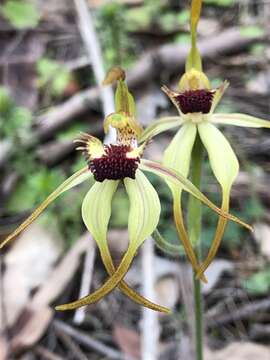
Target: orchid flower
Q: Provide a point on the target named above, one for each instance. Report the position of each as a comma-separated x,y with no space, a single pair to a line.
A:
111,165
196,102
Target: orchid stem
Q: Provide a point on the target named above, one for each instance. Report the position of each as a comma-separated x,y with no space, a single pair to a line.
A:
194,227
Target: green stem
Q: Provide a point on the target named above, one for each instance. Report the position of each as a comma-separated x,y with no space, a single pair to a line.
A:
194,227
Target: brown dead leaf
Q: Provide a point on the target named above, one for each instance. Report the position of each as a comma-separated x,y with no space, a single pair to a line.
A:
33,329
28,263
240,351
62,274
128,341
3,349
167,291
214,272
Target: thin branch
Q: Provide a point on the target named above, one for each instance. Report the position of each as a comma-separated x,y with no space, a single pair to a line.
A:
90,342
86,279
150,324
89,36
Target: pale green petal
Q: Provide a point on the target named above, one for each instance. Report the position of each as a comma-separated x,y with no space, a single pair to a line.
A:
76,179
222,157
159,126
178,154
143,218
96,211
144,209
225,167
240,120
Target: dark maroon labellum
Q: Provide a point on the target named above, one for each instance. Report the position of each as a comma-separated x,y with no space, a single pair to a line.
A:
114,164
194,101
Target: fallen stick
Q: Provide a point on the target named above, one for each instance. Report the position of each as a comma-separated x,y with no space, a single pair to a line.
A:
86,340
243,313
169,58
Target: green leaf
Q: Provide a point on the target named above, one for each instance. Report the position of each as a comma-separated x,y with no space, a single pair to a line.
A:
252,31
53,74
224,3
21,14
259,283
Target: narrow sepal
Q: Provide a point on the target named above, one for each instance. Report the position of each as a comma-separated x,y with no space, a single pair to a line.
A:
76,179
240,120
107,287
218,95
222,222
159,126
171,175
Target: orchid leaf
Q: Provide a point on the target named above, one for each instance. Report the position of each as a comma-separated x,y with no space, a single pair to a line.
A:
76,179
166,246
240,120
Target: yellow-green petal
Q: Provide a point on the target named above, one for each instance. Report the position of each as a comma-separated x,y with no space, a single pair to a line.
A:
76,179
225,167
240,120
177,156
159,126
97,223
96,211
223,160
144,209
138,232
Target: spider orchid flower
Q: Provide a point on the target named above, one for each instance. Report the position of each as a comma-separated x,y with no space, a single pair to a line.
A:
111,165
196,102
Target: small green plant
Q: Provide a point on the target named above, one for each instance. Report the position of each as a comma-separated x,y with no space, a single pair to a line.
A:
53,75
15,121
22,14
